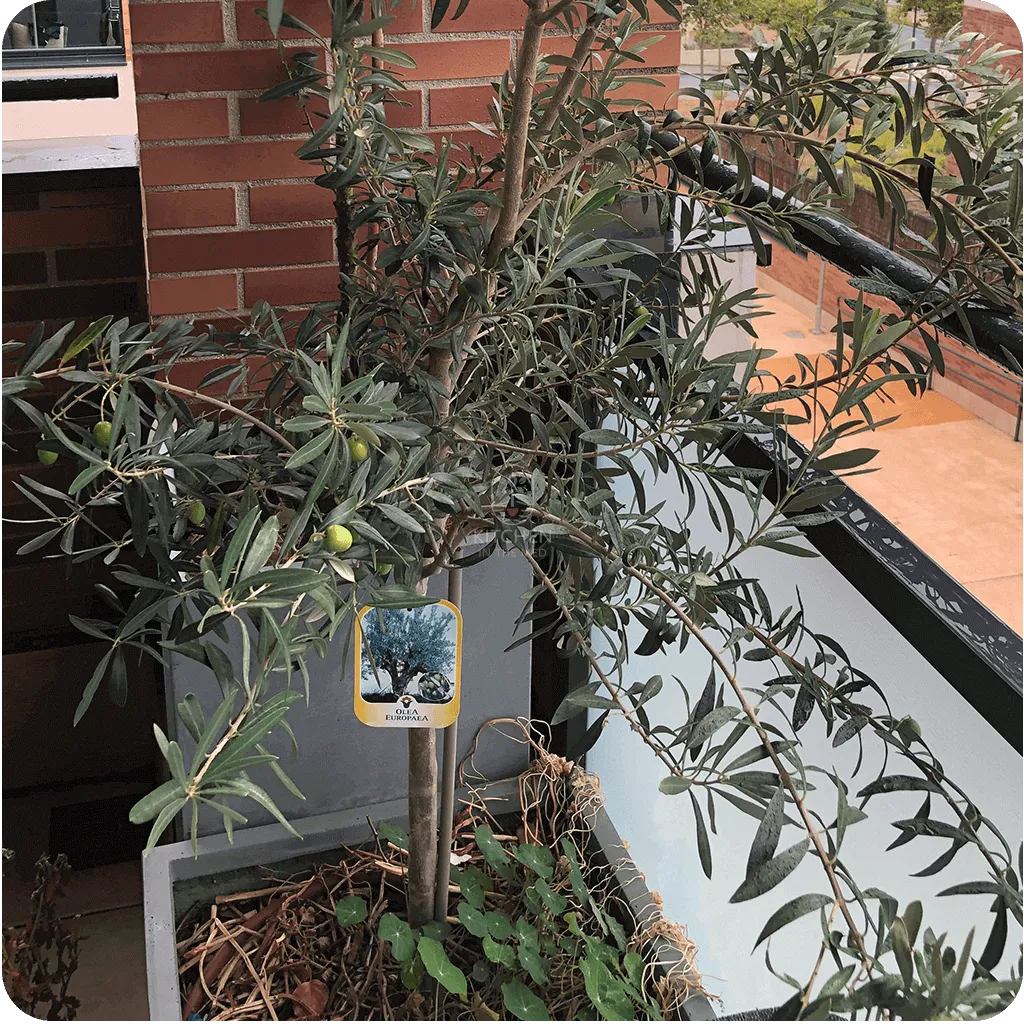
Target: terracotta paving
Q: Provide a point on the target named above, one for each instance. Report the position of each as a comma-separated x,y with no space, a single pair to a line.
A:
952,482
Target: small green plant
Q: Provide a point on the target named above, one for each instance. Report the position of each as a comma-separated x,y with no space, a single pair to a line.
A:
535,941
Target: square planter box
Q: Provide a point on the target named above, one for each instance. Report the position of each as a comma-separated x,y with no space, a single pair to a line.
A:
174,878
342,763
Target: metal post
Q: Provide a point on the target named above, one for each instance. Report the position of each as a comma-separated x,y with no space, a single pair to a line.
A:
450,740
816,329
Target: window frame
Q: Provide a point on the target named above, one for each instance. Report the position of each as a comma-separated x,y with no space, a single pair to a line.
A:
68,56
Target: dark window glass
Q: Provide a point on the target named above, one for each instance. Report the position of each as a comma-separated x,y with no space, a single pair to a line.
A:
52,26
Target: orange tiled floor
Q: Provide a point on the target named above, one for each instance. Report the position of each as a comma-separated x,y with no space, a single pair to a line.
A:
950,481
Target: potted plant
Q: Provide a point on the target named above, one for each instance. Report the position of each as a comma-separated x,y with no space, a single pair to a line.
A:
548,918
490,369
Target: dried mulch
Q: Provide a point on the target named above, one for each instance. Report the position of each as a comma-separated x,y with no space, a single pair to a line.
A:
279,953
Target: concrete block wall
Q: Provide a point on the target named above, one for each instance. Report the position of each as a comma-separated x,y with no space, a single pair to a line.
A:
231,214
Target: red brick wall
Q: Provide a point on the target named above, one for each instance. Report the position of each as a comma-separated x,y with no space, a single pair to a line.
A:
72,249
231,214
997,27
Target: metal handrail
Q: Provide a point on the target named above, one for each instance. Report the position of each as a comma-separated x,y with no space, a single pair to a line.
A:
991,329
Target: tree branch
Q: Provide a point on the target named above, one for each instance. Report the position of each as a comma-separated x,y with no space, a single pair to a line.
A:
519,131
569,75
569,166
784,776
234,410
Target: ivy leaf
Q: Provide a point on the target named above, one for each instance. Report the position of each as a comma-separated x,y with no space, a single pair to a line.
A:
402,938
350,910
472,919
498,925
439,967
533,962
499,953
472,883
494,853
579,886
412,973
521,1002
539,859
606,992
392,834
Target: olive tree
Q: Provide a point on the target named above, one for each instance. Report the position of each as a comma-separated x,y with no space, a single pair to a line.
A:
497,367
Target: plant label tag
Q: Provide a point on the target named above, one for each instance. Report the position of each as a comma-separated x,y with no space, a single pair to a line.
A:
408,670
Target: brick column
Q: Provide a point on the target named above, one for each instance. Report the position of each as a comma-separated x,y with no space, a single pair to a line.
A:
997,27
231,214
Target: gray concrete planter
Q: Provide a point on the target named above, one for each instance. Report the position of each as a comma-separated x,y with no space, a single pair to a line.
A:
174,878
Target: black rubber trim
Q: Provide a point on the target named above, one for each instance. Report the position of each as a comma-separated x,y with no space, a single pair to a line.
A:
980,656
65,57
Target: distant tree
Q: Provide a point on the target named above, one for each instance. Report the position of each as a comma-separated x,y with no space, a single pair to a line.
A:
783,15
709,20
940,15
882,28
406,643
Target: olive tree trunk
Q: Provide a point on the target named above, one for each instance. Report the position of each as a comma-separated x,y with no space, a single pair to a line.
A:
423,850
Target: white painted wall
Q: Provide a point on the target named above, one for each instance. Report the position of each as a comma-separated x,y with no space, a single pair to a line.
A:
52,135
66,119
659,829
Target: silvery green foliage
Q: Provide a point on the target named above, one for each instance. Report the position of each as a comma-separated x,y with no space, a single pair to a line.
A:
565,382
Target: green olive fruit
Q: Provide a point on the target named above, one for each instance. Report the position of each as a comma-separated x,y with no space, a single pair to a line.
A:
384,569
358,448
46,457
339,538
102,432
196,513
909,730
641,311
